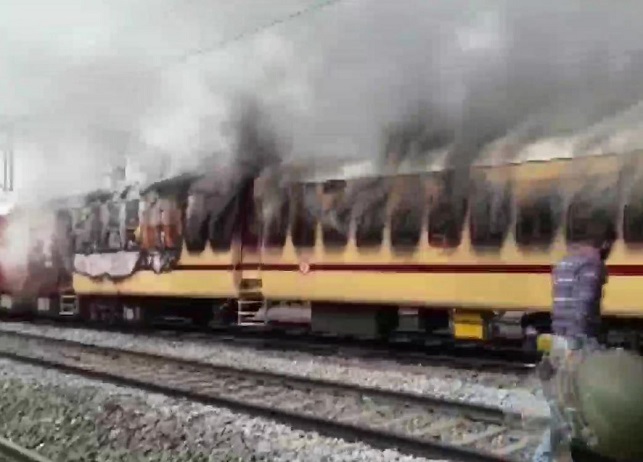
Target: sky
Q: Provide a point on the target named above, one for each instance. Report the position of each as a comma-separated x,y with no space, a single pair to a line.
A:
85,83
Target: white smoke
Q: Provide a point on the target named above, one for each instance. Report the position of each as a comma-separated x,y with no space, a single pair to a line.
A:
100,81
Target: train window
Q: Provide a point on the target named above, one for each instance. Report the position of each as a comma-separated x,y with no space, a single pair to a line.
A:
82,231
336,227
63,238
369,230
446,218
170,223
334,186
250,216
586,206
102,232
112,227
370,212
336,215
64,226
223,220
489,215
196,223
150,226
633,219
537,221
95,228
447,211
131,214
276,220
406,227
305,213
130,224
406,217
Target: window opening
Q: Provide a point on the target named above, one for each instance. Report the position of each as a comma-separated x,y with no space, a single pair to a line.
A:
406,216
371,198
305,212
489,214
336,214
538,220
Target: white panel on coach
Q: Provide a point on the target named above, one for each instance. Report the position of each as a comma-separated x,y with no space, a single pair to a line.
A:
44,305
6,301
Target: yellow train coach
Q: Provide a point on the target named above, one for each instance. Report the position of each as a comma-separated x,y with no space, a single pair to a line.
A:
365,252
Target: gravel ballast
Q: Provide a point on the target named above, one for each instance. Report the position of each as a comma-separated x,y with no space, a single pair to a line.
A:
510,392
68,418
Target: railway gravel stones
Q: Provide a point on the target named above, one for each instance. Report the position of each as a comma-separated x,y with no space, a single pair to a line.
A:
366,414
72,419
499,389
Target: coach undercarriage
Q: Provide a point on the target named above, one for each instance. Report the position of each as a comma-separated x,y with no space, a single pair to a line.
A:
357,321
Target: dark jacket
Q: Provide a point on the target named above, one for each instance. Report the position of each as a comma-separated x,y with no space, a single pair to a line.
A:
577,291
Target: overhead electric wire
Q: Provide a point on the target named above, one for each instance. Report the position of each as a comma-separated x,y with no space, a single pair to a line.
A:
249,33
207,49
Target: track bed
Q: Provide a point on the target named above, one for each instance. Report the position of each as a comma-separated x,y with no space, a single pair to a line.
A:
413,424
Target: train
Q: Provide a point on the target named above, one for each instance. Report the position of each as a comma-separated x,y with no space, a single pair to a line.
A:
356,249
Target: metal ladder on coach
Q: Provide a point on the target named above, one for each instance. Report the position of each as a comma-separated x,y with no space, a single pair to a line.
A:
251,304
68,305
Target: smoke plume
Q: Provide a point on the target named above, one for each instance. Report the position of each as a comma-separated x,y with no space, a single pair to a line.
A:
358,78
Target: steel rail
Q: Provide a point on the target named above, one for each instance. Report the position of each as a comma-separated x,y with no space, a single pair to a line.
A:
14,452
436,355
377,437
490,414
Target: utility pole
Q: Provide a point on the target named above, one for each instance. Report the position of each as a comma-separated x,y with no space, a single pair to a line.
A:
8,160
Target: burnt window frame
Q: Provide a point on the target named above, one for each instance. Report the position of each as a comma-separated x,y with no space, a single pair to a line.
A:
275,233
174,207
65,217
611,211
332,239
220,238
82,238
130,241
112,228
445,200
373,238
96,232
637,191
401,242
248,216
484,189
195,244
302,238
155,230
556,215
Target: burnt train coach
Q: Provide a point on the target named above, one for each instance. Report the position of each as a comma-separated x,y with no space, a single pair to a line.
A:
36,263
359,252
178,253
372,254
168,250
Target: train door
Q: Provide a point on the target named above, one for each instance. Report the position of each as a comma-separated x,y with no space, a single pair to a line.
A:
251,304
4,224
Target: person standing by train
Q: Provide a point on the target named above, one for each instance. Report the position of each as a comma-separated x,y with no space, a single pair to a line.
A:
577,289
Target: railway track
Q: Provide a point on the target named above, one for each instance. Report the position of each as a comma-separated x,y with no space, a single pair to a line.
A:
413,424
11,452
438,353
